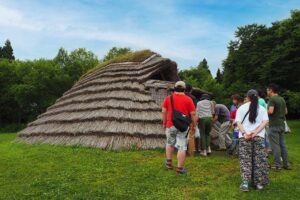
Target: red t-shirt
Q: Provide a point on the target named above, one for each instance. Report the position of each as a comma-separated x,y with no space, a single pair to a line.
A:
182,103
233,114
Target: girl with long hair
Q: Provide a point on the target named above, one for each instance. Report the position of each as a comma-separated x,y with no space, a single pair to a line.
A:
252,119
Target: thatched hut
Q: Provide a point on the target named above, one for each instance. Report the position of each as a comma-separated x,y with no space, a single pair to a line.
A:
113,107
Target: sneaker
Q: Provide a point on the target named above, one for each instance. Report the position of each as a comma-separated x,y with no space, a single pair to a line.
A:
209,150
181,170
259,187
244,186
203,153
276,167
287,167
168,165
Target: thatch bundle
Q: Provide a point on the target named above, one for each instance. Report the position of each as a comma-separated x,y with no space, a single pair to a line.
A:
114,107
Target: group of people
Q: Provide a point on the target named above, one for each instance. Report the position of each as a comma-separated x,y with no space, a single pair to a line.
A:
257,126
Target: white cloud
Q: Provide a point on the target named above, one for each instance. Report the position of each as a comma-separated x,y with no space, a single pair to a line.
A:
169,34
14,18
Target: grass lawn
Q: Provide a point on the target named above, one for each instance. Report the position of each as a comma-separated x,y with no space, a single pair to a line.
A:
60,172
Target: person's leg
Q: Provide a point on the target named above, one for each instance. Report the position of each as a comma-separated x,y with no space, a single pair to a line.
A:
169,151
260,163
222,135
202,132
284,153
274,141
245,155
181,145
214,133
267,141
171,139
181,158
208,126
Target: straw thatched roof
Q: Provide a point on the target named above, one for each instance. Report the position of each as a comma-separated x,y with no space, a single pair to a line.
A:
113,107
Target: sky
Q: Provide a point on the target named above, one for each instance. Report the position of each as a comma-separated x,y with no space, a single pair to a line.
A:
185,31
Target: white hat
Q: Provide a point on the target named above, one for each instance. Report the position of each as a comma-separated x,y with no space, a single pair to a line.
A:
180,84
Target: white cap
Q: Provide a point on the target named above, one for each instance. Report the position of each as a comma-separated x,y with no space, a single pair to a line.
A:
180,84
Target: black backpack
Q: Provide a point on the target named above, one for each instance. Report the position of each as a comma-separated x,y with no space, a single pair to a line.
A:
180,120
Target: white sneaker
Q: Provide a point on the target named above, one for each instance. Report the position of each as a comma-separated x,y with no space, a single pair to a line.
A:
203,153
209,150
259,187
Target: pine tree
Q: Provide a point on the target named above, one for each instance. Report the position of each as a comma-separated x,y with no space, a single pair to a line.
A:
204,64
219,76
7,51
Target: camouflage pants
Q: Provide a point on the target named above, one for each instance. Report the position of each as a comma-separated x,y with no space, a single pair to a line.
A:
253,160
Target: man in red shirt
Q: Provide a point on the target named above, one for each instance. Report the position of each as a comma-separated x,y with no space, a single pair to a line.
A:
175,138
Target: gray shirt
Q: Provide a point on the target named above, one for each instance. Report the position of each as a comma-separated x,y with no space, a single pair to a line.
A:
222,112
204,109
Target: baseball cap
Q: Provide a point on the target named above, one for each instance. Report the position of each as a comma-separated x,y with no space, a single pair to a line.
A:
252,92
180,84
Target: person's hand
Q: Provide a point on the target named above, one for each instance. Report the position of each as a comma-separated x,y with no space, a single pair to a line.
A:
248,136
253,134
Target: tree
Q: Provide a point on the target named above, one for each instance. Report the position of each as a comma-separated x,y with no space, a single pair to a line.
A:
218,76
7,78
115,52
260,55
62,58
204,64
79,62
7,51
196,76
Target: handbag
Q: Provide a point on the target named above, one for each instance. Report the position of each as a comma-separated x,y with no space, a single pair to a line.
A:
180,120
197,132
286,128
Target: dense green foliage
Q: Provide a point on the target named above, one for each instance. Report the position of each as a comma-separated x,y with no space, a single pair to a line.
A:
261,55
29,87
201,77
61,172
258,56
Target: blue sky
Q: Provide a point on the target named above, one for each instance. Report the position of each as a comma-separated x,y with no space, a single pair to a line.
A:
184,30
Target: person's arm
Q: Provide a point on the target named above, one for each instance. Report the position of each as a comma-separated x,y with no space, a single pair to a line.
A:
193,113
164,117
194,119
263,124
271,106
164,112
270,110
198,107
259,128
215,118
242,130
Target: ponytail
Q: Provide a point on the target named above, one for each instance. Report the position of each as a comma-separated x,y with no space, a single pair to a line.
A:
253,108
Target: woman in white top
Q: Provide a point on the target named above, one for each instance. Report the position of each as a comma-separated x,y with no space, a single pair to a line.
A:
252,120
204,112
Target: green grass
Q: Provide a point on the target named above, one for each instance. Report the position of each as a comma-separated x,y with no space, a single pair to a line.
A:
60,172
